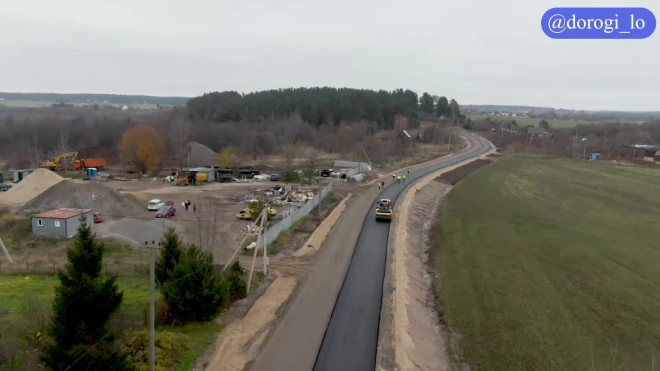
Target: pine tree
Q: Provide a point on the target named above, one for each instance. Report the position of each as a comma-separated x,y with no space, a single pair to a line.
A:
170,254
195,291
83,305
236,282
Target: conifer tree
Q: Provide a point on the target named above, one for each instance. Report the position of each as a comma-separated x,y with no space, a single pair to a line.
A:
83,306
170,254
195,291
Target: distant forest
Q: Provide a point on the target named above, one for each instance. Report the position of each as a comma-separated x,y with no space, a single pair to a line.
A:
564,113
110,98
319,106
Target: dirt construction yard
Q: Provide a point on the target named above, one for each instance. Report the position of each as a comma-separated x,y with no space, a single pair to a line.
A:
214,225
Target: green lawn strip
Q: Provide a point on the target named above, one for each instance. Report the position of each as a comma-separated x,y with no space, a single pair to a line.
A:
553,265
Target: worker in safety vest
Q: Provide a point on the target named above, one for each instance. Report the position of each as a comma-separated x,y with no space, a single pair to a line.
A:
398,178
404,178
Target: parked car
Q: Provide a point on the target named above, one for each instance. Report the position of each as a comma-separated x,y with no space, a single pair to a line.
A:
274,178
4,187
166,212
155,204
326,173
97,217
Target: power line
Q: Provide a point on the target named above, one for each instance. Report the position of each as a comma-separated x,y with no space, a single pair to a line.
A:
87,351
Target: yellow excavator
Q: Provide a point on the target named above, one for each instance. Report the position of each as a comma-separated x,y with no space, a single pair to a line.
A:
56,162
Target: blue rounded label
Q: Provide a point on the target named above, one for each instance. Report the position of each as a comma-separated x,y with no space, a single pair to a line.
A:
598,23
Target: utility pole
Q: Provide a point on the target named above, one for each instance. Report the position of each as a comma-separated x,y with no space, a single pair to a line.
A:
256,248
449,144
152,303
265,247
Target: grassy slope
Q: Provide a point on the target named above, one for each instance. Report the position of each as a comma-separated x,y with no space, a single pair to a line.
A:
14,290
522,121
553,265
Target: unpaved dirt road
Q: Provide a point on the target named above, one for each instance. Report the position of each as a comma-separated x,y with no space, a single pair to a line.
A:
344,299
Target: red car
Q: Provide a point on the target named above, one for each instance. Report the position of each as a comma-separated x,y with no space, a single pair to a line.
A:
166,211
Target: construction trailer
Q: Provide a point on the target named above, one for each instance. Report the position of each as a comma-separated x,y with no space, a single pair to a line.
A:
203,174
62,223
20,174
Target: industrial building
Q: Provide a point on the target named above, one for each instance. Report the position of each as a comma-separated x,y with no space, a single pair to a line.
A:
61,223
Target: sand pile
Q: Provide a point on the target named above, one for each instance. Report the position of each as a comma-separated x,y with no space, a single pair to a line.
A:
86,195
201,155
31,186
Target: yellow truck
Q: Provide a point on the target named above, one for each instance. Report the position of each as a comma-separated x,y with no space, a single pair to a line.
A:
384,210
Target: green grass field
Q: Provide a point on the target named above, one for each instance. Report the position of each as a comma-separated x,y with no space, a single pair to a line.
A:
553,265
16,290
523,121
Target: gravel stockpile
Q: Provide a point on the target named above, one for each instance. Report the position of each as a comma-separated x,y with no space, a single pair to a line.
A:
137,231
201,155
86,195
32,186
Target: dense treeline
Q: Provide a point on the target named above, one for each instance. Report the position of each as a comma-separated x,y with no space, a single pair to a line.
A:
110,98
316,106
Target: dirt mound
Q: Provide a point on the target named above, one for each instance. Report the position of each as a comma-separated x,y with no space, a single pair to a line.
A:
136,231
86,195
32,186
201,155
454,176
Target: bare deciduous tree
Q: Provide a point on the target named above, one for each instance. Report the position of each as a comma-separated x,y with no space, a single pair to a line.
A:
180,135
63,147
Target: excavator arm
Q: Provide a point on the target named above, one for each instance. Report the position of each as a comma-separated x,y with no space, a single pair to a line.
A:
56,162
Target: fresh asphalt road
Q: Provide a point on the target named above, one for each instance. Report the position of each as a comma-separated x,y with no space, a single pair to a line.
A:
351,338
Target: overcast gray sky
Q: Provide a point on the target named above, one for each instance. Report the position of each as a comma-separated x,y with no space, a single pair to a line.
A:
476,51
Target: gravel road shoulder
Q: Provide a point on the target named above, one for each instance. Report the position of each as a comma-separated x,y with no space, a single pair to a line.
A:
411,336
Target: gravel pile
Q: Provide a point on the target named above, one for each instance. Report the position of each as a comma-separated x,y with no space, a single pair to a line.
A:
136,231
31,186
201,155
86,195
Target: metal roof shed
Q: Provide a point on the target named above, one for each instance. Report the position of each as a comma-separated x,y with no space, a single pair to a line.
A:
61,223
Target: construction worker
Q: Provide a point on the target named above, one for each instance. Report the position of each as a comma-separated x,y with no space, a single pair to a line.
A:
393,176
398,178
380,185
408,171
404,178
